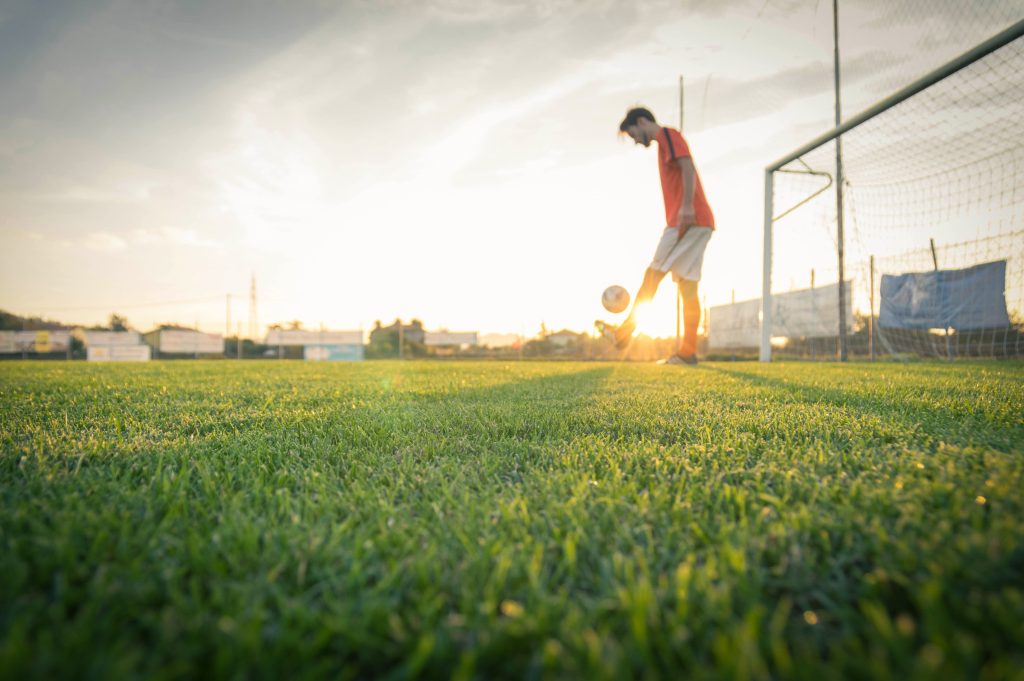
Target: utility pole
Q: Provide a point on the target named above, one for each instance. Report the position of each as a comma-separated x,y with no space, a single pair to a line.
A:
253,321
227,319
682,101
839,187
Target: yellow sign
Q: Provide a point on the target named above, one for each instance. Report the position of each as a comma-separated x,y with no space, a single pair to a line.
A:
42,341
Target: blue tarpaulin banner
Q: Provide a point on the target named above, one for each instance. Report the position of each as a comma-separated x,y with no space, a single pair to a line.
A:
967,299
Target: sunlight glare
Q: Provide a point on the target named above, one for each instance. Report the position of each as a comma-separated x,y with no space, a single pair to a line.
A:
646,322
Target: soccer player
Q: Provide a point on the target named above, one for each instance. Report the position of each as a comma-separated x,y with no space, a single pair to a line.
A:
689,224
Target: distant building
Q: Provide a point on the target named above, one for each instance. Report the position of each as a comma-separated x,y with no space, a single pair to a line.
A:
565,338
101,338
178,340
323,345
445,338
500,340
113,346
292,337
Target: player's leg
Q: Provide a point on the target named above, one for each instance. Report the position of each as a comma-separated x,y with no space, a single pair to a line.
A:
655,272
648,287
686,264
691,317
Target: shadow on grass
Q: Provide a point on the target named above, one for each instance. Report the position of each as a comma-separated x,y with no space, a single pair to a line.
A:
526,410
960,427
417,419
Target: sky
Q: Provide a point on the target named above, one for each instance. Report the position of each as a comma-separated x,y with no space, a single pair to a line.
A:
454,161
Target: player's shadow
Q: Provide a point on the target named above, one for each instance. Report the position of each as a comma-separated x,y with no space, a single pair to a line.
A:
531,411
964,426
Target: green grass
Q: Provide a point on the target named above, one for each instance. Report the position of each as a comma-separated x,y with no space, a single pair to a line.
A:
481,520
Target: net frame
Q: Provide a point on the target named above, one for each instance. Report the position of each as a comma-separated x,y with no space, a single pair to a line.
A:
834,136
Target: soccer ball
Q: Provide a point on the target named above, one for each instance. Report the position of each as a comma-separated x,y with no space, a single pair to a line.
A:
615,299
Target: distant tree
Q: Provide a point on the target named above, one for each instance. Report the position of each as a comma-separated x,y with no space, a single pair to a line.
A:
383,343
295,325
117,322
77,347
12,322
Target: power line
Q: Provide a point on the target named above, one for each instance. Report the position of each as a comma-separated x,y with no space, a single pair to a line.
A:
130,306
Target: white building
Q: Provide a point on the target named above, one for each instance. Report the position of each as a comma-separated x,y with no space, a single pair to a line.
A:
292,337
113,346
321,346
180,341
450,338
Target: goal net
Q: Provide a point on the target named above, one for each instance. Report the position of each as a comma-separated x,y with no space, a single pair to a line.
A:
933,222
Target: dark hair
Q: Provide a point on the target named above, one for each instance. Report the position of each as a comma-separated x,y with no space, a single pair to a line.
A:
633,116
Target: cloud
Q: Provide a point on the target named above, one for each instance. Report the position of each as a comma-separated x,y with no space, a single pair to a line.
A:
506,11
127,193
104,242
724,101
172,236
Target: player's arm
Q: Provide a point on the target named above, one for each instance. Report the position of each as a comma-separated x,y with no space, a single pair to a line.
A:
687,214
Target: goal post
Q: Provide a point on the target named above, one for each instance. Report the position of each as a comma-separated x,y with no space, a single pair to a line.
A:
766,286
941,161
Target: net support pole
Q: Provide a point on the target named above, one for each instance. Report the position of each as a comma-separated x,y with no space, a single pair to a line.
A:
871,312
679,293
766,285
814,350
839,187
935,265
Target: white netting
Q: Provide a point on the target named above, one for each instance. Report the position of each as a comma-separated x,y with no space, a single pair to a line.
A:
933,191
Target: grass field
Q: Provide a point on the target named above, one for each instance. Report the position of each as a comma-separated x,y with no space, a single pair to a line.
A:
481,520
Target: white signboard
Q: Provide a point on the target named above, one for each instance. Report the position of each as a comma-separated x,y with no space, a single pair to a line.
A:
34,341
109,338
183,341
300,337
735,326
449,338
334,353
118,353
807,313
810,313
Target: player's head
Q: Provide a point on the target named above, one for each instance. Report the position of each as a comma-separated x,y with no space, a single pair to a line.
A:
640,125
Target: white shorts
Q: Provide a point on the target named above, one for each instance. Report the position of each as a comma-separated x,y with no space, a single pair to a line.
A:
682,257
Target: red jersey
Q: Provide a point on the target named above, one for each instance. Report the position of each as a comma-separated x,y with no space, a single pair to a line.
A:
671,147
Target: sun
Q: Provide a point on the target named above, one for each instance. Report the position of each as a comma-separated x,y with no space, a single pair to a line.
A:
647,320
